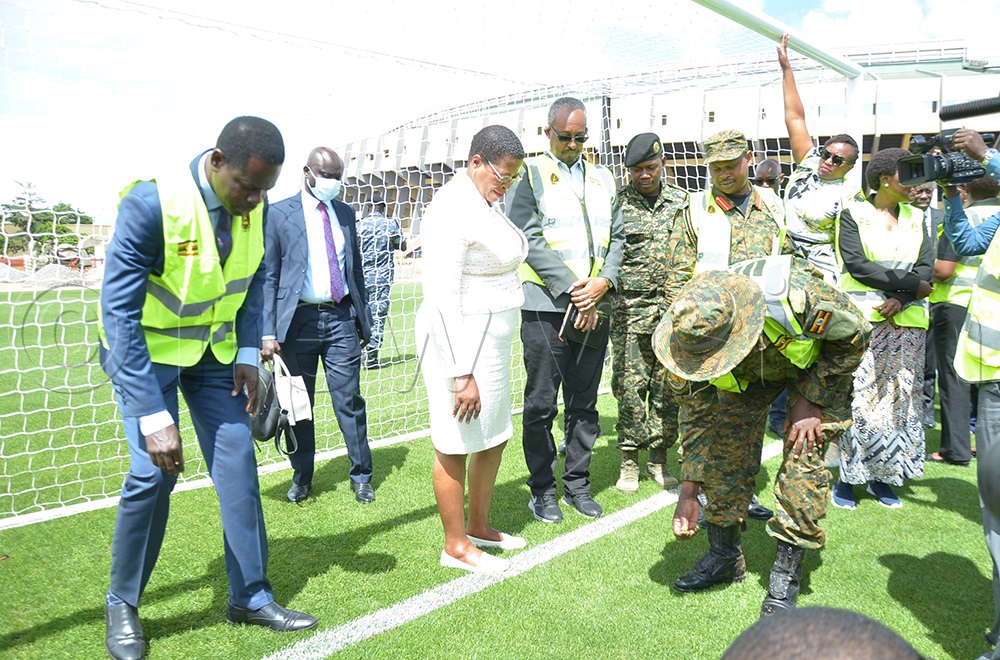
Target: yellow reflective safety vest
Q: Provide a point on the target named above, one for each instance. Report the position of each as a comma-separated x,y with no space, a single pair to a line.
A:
957,289
977,356
900,249
711,225
192,306
577,229
773,275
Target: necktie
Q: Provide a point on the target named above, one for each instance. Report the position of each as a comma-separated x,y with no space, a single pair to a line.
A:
336,279
224,235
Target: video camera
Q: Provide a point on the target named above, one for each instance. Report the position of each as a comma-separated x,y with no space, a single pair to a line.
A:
949,166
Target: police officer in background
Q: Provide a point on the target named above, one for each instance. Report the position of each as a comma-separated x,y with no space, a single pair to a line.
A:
739,338
647,413
379,237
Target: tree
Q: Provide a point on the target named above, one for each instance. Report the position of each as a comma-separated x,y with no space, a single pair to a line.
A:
29,225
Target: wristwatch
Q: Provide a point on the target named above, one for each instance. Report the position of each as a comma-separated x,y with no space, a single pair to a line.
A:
990,153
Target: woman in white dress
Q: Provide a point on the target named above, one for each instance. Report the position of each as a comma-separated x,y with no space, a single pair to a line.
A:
465,329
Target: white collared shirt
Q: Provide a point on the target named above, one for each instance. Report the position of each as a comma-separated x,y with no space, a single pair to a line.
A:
574,173
316,285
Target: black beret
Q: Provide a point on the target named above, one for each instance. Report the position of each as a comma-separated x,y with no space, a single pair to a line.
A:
643,147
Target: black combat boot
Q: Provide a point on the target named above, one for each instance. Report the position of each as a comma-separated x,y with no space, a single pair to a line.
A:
783,588
724,562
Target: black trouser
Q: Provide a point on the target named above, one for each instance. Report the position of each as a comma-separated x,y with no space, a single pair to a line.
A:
550,363
947,320
930,369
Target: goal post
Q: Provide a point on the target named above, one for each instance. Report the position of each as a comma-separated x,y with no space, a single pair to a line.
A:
679,68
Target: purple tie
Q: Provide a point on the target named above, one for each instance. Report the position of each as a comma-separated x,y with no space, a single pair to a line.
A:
336,279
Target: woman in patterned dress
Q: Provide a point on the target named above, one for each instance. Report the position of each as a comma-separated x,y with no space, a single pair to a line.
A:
887,260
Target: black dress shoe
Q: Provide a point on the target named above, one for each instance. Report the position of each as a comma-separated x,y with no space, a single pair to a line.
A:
273,616
299,492
363,493
124,636
757,511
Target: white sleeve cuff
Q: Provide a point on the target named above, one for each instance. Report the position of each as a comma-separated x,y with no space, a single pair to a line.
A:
150,424
248,355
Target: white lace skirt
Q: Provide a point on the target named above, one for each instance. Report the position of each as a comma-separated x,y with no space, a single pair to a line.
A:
492,374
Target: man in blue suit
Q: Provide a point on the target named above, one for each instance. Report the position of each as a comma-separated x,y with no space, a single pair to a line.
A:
181,307
315,307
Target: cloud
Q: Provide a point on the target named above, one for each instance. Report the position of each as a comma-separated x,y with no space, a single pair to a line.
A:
864,22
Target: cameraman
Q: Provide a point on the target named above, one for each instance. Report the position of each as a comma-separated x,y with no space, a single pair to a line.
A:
977,356
968,240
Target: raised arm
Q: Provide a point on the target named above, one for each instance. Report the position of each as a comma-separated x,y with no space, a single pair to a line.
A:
795,113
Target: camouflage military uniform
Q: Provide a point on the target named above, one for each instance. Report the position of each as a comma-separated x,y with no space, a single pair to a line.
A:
722,431
378,238
753,235
638,377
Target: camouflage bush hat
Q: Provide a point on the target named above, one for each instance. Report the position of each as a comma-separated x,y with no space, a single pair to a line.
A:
725,145
713,324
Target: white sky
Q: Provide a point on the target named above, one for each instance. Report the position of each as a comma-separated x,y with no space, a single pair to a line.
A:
96,93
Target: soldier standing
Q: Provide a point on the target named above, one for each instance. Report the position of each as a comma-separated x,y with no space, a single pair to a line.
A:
647,413
739,338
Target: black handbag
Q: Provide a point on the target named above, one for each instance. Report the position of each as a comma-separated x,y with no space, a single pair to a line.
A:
269,420
594,338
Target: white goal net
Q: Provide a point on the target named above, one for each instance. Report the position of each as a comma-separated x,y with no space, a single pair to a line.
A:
112,89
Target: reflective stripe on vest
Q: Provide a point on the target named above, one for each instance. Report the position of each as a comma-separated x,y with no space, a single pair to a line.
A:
977,355
901,254
714,230
193,305
957,289
773,276
564,216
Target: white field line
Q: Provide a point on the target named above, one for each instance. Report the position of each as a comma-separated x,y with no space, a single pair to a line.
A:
336,639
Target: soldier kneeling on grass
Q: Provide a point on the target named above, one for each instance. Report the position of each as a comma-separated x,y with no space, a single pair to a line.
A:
737,339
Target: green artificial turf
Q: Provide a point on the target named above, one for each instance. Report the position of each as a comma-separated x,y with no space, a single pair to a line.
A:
923,570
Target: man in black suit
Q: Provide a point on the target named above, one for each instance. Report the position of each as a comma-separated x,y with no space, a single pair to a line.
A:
315,307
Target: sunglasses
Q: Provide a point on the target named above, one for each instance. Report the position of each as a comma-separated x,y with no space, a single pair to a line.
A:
837,160
760,181
504,180
580,139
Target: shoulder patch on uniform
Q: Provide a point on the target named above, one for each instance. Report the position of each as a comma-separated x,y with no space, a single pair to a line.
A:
828,321
818,324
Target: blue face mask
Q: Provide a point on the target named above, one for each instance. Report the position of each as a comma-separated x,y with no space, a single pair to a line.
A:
325,189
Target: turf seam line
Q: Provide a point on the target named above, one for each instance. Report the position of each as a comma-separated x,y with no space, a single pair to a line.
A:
331,640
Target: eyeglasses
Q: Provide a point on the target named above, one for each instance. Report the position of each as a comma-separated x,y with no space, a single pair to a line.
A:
837,160
504,180
569,138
